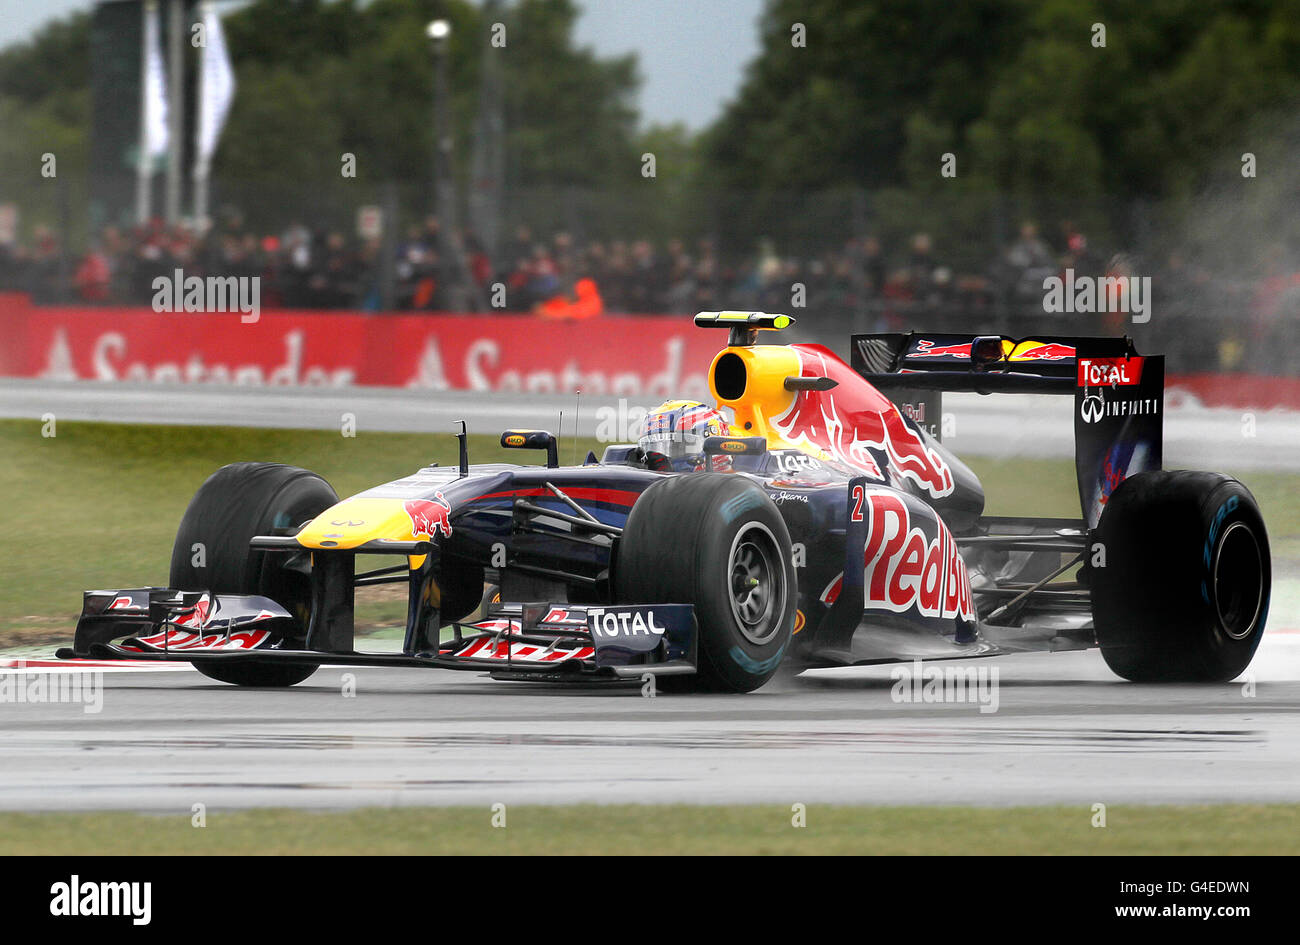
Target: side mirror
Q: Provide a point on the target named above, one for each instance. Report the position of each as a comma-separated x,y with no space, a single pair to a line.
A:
734,445
533,440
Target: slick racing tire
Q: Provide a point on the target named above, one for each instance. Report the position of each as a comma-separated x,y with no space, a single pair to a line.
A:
715,541
237,502
1184,591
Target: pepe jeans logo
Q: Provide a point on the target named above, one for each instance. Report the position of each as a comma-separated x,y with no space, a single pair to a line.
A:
781,497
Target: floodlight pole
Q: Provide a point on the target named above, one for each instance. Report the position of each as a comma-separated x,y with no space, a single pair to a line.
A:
451,256
176,107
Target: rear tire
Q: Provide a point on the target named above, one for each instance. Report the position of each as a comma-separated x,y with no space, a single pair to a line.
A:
235,503
715,541
1184,593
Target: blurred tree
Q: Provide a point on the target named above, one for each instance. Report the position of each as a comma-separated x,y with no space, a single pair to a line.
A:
365,75
1017,90
835,111
571,117
55,60
44,108
318,78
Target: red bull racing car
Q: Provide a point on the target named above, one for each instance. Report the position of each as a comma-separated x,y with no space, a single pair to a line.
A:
824,524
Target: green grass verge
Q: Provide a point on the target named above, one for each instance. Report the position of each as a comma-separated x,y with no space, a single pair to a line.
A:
98,504
634,829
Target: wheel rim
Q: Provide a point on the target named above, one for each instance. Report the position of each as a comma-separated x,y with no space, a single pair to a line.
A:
756,583
1238,581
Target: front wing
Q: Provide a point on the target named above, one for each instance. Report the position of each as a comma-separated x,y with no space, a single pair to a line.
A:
515,640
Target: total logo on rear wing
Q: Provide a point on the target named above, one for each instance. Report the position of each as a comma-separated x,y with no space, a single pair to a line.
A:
1118,425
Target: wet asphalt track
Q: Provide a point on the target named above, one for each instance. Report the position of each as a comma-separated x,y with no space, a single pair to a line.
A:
1065,731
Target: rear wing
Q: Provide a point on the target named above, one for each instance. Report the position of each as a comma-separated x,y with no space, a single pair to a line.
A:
1043,365
1118,394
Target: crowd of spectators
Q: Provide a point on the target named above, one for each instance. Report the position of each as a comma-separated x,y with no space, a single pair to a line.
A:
863,283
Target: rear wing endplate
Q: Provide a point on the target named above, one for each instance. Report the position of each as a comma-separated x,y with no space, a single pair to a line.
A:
1118,394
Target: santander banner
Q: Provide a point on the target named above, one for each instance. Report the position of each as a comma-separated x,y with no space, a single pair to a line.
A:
639,356
633,356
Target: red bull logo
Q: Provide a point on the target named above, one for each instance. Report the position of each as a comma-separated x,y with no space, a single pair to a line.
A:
904,569
854,417
928,349
1112,474
1051,351
429,517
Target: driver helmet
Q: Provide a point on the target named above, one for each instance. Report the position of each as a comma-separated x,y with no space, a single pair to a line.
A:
676,429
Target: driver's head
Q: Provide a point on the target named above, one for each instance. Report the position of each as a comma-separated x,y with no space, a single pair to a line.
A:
677,429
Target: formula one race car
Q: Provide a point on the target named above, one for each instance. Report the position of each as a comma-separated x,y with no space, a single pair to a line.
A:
827,526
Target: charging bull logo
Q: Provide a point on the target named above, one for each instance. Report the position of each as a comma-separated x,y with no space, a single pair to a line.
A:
905,569
429,517
1047,351
928,349
855,417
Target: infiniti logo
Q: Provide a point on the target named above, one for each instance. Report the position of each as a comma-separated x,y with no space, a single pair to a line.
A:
1092,408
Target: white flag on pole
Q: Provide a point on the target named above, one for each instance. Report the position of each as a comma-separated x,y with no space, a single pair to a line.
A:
218,84
155,87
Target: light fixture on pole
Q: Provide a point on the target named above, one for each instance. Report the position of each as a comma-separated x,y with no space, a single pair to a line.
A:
444,209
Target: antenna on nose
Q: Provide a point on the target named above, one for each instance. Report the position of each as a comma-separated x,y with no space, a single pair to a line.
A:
577,405
463,437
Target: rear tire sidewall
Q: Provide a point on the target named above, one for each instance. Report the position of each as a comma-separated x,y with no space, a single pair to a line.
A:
1157,604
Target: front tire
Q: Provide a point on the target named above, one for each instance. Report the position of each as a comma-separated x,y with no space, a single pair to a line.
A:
718,542
211,552
1183,595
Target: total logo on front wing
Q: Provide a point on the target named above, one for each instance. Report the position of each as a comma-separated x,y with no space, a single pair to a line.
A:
623,624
